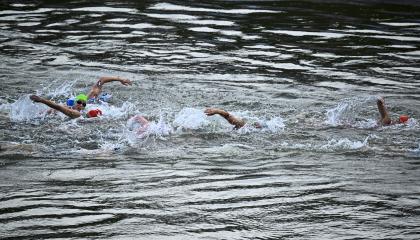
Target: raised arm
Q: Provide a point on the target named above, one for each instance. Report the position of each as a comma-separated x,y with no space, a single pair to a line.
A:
238,123
67,111
385,119
97,88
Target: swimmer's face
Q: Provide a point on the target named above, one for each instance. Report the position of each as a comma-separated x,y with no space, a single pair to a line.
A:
80,105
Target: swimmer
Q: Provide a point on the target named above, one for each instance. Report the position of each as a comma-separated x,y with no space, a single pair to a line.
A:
75,110
237,122
142,124
385,119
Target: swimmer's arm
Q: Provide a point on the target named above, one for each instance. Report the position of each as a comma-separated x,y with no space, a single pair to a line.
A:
238,123
385,119
65,110
141,120
123,81
97,87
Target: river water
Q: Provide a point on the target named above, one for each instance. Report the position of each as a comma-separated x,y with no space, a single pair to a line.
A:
310,72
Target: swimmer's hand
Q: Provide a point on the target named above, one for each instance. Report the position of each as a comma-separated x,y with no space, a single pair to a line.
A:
125,81
212,111
35,98
380,100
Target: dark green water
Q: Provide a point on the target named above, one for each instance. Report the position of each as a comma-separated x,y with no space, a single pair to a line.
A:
311,71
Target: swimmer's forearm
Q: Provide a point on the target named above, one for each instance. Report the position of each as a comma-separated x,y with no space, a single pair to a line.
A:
104,80
97,88
65,110
238,123
222,113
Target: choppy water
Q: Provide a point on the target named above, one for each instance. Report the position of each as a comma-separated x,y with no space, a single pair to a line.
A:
310,71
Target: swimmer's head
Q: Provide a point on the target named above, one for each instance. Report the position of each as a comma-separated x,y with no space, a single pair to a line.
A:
94,113
403,119
260,125
81,100
81,97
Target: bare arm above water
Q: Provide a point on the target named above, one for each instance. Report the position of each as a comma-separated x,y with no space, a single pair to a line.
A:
67,111
385,119
97,88
238,123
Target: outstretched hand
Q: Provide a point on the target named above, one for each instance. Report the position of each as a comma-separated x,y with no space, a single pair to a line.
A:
35,98
125,82
380,101
211,111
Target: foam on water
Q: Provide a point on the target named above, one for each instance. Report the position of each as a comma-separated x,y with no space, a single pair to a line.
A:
24,110
114,112
344,143
229,148
270,125
137,132
159,128
192,119
275,124
331,145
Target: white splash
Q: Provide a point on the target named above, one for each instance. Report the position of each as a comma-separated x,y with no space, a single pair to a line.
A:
347,111
139,130
254,124
65,89
114,112
190,118
275,124
24,110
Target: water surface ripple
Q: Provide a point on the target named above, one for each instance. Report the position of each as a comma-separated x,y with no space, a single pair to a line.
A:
311,71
